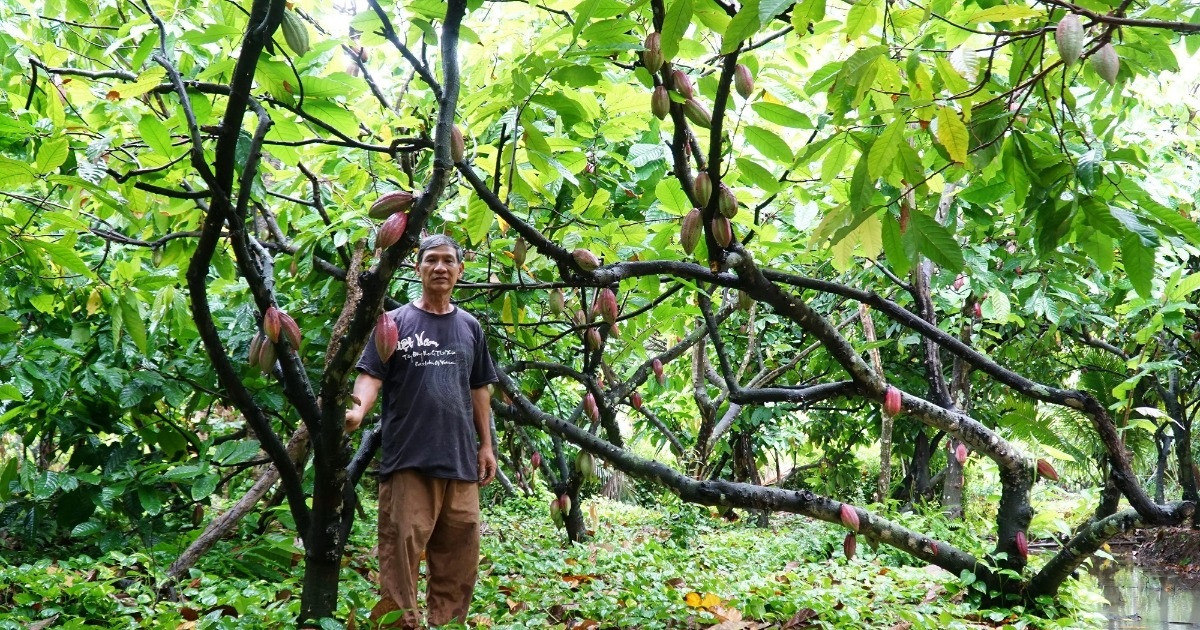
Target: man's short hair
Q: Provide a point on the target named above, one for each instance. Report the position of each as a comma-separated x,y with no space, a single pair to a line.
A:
438,240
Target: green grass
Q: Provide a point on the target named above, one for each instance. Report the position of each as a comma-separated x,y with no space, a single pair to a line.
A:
636,572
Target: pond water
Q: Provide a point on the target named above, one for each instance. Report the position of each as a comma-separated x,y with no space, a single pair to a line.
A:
1149,598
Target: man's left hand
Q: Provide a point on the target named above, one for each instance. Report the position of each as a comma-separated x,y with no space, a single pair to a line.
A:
487,465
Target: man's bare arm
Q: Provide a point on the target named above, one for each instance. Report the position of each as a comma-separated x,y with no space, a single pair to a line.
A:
482,412
366,390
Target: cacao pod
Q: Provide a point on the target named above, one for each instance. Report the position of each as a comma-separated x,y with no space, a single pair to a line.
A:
891,401
271,323
594,342
391,230
458,146
660,102
387,336
978,311
702,188
197,515
849,516
682,84
535,460
520,249
652,56
266,356
556,514
558,301
1069,35
564,502
1022,545
590,407
960,453
607,302
256,343
1046,470
391,203
614,330
657,366
850,545
959,282
689,234
722,231
579,318
743,81
635,399
586,260
726,202
290,329
295,33
697,113
1106,63
586,465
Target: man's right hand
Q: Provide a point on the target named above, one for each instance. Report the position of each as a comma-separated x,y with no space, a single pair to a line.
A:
354,418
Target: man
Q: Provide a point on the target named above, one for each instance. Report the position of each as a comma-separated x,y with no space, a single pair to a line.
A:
437,447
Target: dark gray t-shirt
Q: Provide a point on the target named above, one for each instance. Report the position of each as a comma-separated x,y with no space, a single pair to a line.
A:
428,420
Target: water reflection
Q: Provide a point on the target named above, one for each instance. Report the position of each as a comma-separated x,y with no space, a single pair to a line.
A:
1148,598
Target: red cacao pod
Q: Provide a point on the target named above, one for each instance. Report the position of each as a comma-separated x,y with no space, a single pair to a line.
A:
697,113
743,81
1022,545
585,259
386,337
850,545
590,407
564,502
689,234
891,401
290,329
849,516
1069,36
391,230
682,84
535,460
660,102
391,203
271,323
657,366
652,56
592,338
607,302
726,202
702,188
960,453
1046,470
256,343
635,399
266,356
722,231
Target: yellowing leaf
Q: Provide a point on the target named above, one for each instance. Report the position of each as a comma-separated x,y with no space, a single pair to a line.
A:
1004,13
147,81
710,600
952,133
94,302
692,599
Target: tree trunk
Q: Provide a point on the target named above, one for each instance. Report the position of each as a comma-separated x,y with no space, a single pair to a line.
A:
1162,442
323,542
952,483
887,422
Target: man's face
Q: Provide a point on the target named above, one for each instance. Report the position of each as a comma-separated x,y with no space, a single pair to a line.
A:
439,269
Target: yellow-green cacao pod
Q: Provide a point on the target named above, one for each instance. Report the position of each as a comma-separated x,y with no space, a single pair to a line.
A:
295,33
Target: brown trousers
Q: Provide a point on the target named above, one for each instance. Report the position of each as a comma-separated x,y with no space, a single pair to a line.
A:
437,517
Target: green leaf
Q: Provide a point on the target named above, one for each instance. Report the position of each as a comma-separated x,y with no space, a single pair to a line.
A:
781,115
885,149
235,452
741,27
935,241
893,246
131,318
63,256
760,177
1183,226
996,307
14,173
1139,264
151,500
807,12
86,529
156,135
670,194
1130,221
147,81
1087,169
768,9
204,486
769,144
952,133
479,220
862,187
52,155
1005,13
675,25
861,18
